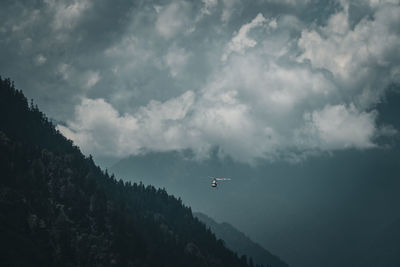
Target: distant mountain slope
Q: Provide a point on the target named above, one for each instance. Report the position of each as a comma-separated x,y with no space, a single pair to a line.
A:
181,173
57,208
239,242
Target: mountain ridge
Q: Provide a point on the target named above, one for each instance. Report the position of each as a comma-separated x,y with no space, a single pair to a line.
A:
57,208
240,243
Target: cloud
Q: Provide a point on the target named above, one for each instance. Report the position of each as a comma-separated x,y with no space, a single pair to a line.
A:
40,59
91,79
339,127
175,74
175,59
377,3
172,19
357,56
66,15
65,71
281,95
228,9
208,5
99,129
85,80
241,40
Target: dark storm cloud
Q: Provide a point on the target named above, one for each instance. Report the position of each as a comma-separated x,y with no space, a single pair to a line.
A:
259,79
51,48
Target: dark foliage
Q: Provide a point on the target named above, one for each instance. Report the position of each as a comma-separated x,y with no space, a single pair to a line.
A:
57,208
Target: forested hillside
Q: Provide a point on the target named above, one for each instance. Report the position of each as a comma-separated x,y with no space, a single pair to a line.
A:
57,208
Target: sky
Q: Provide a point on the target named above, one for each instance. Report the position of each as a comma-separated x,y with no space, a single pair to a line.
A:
259,79
267,82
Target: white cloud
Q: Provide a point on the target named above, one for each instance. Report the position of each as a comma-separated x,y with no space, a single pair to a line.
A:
228,8
67,15
338,127
175,59
172,19
356,55
91,79
208,6
377,3
40,60
129,52
64,70
99,129
241,40
82,80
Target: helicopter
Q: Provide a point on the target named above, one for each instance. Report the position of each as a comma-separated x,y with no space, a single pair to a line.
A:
215,179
